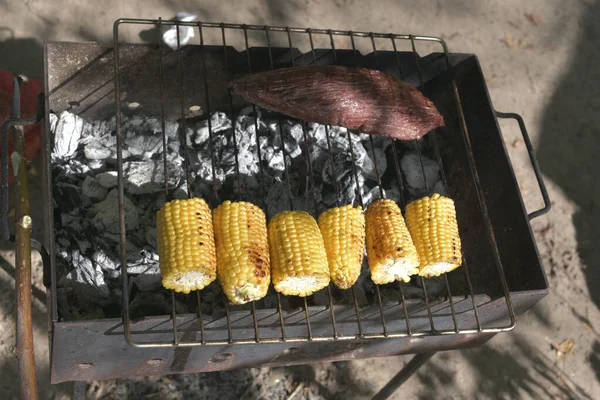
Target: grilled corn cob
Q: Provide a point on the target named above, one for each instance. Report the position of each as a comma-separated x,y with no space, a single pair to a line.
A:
390,250
242,251
298,257
186,245
343,230
432,224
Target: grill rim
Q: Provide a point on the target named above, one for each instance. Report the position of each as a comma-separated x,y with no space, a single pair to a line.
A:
308,31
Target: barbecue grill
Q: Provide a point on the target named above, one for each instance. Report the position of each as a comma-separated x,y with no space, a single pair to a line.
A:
501,276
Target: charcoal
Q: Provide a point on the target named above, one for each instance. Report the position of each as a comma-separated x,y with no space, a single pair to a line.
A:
151,236
84,245
368,164
246,124
70,197
87,280
440,188
107,179
92,189
373,194
102,260
85,192
218,122
101,148
67,129
413,171
106,215
321,298
144,145
73,170
154,303
143,177
274,158
149,280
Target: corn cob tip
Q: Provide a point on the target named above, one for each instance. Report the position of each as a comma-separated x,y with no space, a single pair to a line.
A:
302,285
186,282
437,269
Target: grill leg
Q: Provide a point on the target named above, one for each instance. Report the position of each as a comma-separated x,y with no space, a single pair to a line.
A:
413,365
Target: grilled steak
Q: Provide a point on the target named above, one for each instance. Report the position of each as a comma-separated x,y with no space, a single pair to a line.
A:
363,99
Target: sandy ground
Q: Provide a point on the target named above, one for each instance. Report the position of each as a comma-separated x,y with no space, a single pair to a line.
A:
543,66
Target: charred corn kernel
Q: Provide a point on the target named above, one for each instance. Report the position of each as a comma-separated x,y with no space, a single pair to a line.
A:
186,245
242,251
390,250
298,258
432,225
343,230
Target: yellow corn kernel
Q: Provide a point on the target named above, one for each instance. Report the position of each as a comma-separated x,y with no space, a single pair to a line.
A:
343,230
186,245
390,250
432,224
242,251
298,257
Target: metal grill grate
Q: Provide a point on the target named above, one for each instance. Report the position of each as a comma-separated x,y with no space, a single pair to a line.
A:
333,322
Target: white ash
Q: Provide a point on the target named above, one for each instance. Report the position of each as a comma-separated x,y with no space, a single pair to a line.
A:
413,166
85,180
87,280
67,130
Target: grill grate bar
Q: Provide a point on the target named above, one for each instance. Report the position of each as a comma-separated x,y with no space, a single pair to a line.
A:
261,178
263,190
237,165
402,204
334,174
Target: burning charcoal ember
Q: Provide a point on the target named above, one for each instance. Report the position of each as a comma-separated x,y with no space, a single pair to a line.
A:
143,177
92,189
102,260
107,179
106,214
67,129
87,280
413,171
144,145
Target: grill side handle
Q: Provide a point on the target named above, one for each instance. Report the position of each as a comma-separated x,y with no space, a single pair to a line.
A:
534,163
